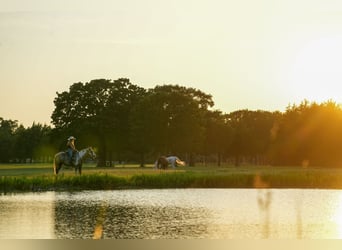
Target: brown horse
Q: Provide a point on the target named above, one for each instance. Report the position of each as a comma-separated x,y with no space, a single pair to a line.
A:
62,158
162,163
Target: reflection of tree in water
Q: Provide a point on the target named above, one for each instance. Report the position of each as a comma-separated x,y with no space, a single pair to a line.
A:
299,201
155,222
81,220
264,202
74,220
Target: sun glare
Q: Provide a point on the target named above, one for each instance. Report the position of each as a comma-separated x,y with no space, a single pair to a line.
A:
315,72
337,218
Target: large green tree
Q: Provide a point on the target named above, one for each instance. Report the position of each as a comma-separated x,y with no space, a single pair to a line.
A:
170,120
96,112
218,135
251,134
123,96
79,112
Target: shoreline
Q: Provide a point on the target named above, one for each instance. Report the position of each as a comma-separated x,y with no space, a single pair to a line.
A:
169,180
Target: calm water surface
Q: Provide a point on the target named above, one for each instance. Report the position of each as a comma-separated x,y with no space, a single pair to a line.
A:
173,214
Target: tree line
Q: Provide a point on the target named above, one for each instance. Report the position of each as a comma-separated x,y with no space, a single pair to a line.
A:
128,123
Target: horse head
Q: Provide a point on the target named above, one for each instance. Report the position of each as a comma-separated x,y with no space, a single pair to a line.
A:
91,153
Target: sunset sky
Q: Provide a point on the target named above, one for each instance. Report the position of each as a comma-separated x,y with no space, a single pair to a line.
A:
254,54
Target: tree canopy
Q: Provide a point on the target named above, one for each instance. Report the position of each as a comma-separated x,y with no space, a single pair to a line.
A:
126,122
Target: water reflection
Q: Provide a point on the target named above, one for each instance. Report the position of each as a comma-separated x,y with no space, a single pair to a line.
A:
124,221
100,219
264,202
27,216
298,208
337,217
173,214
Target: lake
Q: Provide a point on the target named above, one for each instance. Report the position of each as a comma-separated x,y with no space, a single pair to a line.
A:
173,214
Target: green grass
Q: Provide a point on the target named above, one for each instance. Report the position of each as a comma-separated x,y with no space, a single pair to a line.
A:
39,177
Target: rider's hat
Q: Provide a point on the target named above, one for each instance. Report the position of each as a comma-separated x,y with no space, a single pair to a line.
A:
71,138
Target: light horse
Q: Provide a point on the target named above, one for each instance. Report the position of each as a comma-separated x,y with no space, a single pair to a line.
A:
62,158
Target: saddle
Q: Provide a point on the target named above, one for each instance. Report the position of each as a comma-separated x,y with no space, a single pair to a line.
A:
71,160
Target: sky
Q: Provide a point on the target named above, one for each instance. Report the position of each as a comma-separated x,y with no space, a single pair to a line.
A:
248,54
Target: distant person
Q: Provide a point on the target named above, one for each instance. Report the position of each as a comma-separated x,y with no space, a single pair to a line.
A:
71,148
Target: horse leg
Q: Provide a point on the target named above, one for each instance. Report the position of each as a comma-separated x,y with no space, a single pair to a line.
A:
79,168
56,167
59,167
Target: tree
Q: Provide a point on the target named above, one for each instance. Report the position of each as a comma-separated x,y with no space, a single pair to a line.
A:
7,130
142,127
79,112
309,134
123,96
251,133
218,134
170,120
33,142
97,112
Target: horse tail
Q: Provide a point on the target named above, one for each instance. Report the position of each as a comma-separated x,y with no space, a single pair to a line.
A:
54,166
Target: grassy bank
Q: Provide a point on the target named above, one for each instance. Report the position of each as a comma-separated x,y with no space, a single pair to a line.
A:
40,178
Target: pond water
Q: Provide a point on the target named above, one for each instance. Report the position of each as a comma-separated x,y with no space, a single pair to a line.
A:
173,214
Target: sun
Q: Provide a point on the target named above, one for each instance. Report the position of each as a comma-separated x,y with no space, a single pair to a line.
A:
315,70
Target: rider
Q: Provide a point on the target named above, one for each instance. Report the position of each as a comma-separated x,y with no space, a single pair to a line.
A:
71,147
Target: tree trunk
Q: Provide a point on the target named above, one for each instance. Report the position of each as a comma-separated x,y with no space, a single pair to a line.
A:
237,160
191,160
219,159
142,160
102,153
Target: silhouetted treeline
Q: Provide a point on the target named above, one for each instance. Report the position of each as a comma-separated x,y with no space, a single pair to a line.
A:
19,144
127,123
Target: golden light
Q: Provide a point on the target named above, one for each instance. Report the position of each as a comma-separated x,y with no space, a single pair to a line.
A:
315,72
337,217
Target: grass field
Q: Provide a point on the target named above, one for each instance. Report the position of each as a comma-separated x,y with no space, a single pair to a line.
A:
39,177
